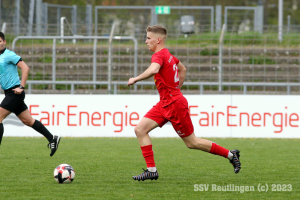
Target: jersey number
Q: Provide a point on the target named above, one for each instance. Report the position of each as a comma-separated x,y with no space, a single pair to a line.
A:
175,68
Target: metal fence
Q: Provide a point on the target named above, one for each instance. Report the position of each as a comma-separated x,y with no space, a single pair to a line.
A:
134,19
35,18
244,18
74,85
245,63
80,62
248,60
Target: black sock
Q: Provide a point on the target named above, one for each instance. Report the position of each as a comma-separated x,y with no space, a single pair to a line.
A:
39,127
1,131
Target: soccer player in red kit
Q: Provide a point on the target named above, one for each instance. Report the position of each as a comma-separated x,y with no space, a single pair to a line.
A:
169,74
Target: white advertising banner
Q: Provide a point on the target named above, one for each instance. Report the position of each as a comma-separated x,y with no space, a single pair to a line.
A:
251,116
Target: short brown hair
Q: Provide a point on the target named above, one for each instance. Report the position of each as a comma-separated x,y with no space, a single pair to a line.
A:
157,29
2,36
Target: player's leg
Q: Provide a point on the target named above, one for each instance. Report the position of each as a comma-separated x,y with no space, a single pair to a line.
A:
182,124
7,106
141,131
27,119
151,120
193,142
3,114
233,156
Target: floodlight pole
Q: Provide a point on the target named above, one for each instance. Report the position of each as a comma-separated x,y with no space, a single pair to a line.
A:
110,57
221,57
280,20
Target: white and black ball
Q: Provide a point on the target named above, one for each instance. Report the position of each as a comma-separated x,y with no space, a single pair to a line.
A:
64,173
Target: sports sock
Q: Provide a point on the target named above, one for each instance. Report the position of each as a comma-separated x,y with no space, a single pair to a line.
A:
39,127
151,169
149,157
230,156
218,150
1,131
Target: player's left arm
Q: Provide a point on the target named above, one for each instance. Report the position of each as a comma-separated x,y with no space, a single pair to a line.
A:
181,74
25,70
152,70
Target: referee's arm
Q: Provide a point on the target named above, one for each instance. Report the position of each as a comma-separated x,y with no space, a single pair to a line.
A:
25,69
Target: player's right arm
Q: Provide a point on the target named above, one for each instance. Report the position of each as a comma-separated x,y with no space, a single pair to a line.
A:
152,70
181,74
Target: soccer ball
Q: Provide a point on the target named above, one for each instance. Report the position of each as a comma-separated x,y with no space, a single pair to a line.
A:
64,173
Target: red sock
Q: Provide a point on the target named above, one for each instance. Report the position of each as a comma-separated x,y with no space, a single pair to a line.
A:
218,150
148,155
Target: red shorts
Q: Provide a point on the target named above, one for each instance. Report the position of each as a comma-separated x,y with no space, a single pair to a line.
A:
177,113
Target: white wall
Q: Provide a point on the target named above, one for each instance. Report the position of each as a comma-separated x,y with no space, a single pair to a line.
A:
116,115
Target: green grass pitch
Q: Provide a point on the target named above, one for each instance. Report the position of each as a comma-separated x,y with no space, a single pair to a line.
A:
104,167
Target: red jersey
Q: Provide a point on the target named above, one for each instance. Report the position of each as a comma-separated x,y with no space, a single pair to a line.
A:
166,80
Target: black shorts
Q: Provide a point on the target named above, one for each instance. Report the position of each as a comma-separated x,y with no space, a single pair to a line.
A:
14,102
